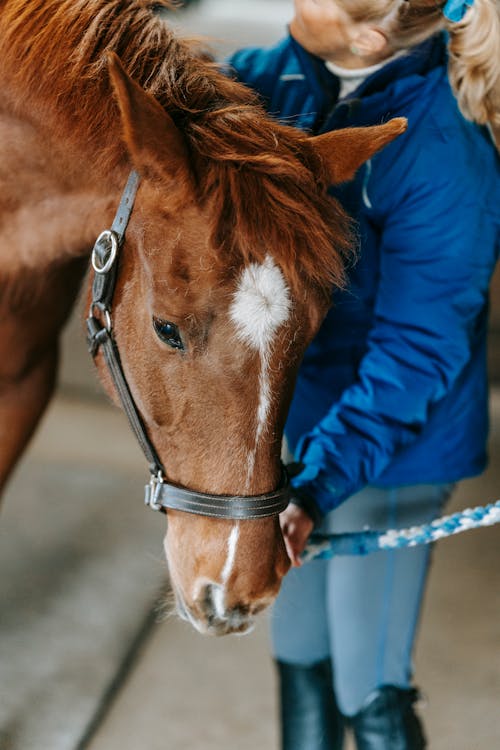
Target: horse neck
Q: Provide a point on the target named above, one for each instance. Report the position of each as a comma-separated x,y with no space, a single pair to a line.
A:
77,144
75,157
57,191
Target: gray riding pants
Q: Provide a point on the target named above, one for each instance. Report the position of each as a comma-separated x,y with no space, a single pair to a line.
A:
362,612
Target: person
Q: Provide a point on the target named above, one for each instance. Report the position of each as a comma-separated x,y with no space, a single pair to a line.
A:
390,407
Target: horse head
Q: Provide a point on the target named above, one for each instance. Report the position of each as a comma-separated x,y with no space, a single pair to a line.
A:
224,279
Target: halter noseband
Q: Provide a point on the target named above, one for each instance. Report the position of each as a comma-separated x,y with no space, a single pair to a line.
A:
159,494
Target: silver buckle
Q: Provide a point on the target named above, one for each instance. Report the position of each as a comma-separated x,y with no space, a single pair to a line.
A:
97,310
152,491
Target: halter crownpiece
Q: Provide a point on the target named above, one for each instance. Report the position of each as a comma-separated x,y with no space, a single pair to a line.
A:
159,494
455,10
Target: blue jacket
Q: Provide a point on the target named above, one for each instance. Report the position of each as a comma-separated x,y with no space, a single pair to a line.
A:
393,390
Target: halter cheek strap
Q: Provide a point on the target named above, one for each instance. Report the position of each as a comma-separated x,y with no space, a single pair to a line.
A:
99,323
159,494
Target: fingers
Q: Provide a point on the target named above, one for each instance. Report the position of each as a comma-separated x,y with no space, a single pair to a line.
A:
297,544
296,527
285,529
292,553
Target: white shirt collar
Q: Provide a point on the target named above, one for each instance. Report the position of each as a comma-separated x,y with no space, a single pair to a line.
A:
351,78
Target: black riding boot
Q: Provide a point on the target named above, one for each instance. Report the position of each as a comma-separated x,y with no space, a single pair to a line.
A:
310,719
387,721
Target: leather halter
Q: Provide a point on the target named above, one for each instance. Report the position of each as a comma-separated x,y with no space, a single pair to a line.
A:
159,494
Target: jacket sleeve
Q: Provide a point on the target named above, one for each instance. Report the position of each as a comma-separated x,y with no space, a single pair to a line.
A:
433,284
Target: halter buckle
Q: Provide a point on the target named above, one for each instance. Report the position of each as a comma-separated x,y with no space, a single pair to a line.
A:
151,491
101,313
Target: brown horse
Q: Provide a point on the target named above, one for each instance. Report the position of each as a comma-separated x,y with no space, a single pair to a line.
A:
225,275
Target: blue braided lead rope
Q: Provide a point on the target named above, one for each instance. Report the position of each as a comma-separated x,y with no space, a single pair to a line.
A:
326,546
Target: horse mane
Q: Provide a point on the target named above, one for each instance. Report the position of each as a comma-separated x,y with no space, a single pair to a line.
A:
262,176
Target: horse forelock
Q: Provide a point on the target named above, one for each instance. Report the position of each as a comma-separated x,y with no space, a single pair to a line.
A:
266,183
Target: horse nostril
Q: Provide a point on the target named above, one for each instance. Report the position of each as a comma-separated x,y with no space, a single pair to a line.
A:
207,602
206,596
241,610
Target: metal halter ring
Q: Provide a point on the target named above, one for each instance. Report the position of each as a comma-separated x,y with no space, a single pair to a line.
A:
107,237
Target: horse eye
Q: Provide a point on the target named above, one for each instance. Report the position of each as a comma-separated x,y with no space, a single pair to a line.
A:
168,333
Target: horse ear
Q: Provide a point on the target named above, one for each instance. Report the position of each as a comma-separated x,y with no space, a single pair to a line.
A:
344,151
155,144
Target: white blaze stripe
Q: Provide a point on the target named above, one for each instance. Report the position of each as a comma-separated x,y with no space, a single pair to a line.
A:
219,590
261,304
232,543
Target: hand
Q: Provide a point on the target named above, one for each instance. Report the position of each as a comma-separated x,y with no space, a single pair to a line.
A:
296,526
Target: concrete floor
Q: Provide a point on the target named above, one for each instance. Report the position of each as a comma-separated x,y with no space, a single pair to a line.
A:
80,568
187,692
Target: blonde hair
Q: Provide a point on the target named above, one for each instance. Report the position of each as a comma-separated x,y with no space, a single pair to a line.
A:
473,46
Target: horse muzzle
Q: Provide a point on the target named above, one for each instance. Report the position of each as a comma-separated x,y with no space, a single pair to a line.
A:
210,615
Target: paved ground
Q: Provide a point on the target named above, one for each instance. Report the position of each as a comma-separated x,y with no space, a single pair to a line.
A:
80,567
